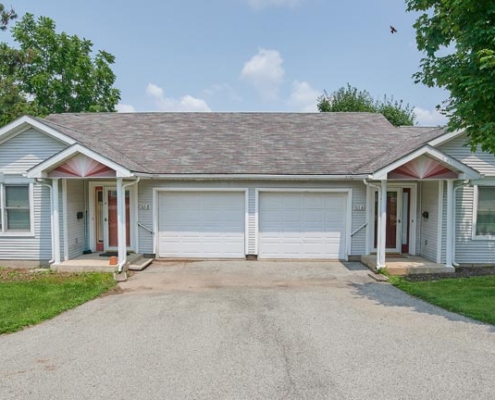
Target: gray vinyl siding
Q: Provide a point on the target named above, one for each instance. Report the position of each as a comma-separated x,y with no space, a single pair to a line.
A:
27,149
429,227
39,246
17,155
145,198
75,203
480,161
467,250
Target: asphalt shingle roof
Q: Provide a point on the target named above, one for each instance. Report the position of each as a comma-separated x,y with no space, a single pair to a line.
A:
243,143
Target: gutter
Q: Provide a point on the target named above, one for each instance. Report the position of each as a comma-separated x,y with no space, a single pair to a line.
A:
120,267
250,177
40,183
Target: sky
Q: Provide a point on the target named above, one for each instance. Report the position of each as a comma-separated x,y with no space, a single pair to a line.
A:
248,55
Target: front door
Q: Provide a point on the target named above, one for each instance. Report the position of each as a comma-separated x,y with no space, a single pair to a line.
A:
393,240
111,221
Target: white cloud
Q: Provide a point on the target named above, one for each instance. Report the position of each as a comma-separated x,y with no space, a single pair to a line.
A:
265,73
185,103
303,97
125,108
429,117
257,4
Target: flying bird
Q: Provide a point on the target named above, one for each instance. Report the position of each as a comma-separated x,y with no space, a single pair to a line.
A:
392,30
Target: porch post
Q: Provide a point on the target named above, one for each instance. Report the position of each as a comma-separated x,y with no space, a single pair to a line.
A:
56,221
121,233
450,223
382,226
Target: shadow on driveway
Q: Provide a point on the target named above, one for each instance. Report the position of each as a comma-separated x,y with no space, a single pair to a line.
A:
390,296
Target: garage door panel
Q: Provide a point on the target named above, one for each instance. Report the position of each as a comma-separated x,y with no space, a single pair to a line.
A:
201,224
302,225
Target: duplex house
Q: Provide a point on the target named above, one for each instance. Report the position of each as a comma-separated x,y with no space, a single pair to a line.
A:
235,185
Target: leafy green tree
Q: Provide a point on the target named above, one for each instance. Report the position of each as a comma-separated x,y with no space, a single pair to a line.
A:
13,102
53,73
350,99
6,16
458,39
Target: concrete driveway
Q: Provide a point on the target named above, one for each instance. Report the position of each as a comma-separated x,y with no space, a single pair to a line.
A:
251,330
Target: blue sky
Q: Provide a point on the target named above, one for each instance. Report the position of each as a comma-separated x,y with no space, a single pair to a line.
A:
248,55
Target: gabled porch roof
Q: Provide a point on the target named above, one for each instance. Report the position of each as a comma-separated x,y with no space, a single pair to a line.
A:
426,163
78,161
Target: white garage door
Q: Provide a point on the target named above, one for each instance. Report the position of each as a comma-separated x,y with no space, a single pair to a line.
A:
302,225
201,224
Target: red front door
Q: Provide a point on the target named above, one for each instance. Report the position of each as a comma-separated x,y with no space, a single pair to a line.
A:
391,240
392,220
112,218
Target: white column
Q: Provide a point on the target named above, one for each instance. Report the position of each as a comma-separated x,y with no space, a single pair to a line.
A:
122,246
56,221
450,223
65,225
382,226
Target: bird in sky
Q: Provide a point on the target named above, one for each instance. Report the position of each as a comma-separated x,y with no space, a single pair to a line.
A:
392,30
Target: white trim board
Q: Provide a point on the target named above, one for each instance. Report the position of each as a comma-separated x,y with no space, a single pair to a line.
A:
24,123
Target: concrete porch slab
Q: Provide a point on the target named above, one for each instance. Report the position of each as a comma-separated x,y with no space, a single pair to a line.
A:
92,263
407,265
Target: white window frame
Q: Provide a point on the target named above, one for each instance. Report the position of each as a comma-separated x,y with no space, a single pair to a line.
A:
475,214
4,231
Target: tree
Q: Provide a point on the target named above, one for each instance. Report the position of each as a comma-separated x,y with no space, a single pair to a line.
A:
53,73
13,102
6,16
350,99
457,38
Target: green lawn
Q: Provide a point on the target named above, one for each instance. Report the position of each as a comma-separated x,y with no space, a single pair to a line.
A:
27,298
471,297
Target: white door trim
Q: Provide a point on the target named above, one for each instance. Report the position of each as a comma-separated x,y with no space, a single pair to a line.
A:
370,206
398,236
348,225
92,209
158,190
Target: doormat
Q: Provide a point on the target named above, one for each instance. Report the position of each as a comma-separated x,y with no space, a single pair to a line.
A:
111,253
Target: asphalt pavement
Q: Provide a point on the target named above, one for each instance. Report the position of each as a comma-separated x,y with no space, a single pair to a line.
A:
251,330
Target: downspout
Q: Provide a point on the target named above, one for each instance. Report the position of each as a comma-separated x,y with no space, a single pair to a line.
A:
120,267
466,183
379,190
40,183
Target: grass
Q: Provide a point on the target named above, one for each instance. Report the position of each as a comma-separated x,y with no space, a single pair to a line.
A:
28,298
472,297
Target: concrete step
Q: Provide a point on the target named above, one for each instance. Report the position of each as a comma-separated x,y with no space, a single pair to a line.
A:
139,264
407,265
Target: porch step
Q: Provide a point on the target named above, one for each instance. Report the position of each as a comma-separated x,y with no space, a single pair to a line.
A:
407,265
139,264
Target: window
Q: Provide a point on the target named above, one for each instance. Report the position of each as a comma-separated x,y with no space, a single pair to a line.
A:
485,213
15,215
